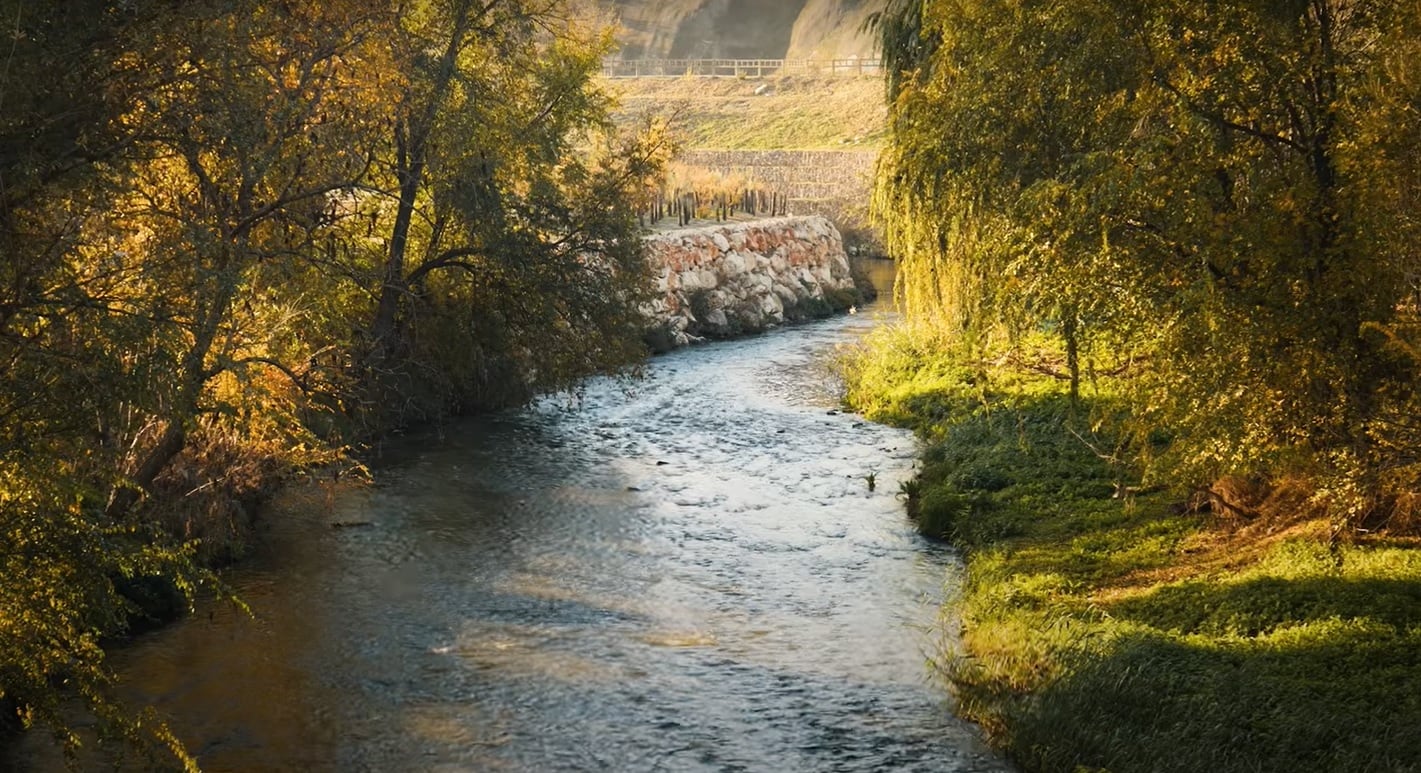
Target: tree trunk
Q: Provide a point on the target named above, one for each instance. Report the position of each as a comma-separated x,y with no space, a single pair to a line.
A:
412,148
1069,328
395,287
194,376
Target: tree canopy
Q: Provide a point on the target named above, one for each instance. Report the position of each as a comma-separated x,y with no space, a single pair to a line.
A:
238,237
1217,197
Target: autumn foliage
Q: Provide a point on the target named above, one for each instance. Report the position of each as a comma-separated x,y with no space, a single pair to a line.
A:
240,237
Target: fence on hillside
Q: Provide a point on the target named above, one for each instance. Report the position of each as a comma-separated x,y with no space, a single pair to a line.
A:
650,68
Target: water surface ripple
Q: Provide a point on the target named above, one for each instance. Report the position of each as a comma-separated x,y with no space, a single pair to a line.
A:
686,572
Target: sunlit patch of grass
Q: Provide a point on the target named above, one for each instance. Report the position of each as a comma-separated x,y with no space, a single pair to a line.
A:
790,113
1109,631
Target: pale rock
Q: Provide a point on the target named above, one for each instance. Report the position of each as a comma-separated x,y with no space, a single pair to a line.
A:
746,274
771,306
689,281
734,264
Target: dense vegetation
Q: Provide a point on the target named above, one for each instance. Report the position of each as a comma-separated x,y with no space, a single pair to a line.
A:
1159,261
1216,199
240,236
1108,628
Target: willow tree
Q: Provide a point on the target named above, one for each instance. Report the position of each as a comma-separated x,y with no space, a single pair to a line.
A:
61,559
242,141
1212,186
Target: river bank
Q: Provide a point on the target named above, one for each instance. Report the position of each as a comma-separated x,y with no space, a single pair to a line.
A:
211,504
1109,629
687,572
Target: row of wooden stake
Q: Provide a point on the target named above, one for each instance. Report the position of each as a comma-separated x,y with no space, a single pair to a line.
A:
687,206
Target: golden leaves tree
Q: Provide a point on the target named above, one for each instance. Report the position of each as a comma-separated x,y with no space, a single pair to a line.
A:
233,231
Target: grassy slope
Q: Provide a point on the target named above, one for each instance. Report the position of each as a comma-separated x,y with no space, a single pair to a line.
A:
1103,634
799,112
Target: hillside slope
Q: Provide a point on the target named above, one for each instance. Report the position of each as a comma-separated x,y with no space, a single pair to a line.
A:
744,29
788,112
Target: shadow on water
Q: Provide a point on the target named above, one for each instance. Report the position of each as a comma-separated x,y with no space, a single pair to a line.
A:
882,273
688,572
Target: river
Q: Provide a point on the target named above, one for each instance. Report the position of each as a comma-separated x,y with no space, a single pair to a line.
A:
685,572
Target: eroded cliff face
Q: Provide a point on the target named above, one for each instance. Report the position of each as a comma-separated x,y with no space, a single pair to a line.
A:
833,29
744,29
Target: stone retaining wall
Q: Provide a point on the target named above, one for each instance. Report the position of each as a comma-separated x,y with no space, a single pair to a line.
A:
745,277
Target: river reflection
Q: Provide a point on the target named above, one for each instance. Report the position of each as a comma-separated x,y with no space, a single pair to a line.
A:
686,572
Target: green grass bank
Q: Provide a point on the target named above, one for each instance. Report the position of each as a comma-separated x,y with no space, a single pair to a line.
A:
1107,629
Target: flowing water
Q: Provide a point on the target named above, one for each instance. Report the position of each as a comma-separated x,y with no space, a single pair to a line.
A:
686,572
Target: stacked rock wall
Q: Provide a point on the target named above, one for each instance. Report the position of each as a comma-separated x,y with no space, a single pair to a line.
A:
746,277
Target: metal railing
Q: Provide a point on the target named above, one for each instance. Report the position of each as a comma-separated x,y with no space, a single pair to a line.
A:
652,68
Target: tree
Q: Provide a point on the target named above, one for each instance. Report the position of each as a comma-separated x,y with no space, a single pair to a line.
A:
61,558
230,230
241,143
1205,186
512,261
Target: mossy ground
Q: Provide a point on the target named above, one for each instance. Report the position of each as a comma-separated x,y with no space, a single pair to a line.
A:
1108,631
